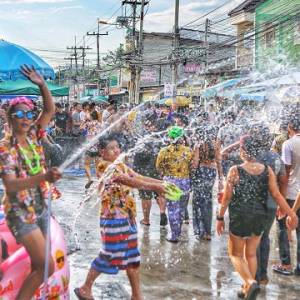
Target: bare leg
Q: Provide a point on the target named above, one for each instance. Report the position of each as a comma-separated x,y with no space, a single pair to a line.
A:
161,201
86,288
146,205
134,279
236,248
34,243
250,253
87,168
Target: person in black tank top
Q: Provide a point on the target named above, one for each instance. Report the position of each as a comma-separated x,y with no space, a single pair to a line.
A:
246,193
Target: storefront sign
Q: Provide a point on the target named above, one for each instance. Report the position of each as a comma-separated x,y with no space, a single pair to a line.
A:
169,90
149,76
192,68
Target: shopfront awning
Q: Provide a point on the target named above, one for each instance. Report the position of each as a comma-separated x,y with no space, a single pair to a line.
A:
257,97
26,87
221,87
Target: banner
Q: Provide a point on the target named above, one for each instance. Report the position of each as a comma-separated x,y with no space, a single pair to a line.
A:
169,90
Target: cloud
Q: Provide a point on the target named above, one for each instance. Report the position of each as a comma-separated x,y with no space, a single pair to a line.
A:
164,20
33,1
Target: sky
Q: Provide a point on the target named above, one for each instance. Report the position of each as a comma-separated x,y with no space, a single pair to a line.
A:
48,27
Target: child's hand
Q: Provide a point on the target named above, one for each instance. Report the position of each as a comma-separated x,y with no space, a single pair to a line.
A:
160,189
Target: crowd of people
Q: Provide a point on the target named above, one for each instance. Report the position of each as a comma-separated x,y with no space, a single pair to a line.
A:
256,175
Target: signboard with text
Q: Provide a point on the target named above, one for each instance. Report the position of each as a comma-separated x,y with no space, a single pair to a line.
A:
169,90
148,75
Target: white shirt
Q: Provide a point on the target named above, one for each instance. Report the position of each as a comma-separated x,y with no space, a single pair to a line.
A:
291,157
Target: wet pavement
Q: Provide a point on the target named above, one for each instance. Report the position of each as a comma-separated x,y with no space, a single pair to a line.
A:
188,270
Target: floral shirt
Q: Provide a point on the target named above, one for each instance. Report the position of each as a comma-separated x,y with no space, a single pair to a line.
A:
174,161
25,204
117,201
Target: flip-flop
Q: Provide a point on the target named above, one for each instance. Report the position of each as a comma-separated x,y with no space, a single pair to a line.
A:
253,291
79,296
145,224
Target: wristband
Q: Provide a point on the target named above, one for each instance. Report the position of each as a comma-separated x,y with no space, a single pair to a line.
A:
219,218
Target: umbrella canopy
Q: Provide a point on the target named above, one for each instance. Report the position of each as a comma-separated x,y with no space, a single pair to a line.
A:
289,79
26,87
180,101
220,87
257,97
100,99
13,56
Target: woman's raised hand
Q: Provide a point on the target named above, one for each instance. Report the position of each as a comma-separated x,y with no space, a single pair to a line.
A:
32,75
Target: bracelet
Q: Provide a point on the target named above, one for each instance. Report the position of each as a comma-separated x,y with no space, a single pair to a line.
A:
219,218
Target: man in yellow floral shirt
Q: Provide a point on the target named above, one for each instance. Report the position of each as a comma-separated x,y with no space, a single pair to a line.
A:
173,162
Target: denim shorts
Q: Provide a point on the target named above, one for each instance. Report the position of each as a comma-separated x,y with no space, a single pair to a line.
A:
19,228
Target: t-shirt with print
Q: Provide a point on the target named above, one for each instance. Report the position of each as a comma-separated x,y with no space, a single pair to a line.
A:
291,157
117,201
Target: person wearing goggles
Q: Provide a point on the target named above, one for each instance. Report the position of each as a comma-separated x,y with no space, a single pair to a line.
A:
27,180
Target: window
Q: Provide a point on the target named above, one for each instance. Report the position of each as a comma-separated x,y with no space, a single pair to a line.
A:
269,35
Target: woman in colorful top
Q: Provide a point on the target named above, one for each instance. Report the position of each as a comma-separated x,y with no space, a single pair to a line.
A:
173,162
117,219
26,180
246,194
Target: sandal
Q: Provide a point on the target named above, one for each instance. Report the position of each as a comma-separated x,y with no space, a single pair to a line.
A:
281,269
143,223
79,296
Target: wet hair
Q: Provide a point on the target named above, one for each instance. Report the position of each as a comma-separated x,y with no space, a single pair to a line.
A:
104,141
58,105
85,104
294,121
250,145
94,116
261,134
184,119
92,105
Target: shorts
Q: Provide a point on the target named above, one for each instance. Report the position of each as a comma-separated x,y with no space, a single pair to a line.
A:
147,195
120,246
245,225
19,228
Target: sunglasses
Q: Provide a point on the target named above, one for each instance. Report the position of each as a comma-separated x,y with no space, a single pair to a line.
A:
21,114
60,259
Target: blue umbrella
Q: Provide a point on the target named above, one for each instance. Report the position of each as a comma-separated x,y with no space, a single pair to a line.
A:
13,56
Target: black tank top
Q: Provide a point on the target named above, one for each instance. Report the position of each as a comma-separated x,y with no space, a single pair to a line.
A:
251,193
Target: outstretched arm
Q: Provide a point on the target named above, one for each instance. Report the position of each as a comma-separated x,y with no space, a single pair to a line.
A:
139,183
49,107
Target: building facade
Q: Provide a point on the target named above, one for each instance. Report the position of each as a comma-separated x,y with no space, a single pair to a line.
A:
277,39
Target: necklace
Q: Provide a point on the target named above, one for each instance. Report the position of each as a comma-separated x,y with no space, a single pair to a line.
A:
34,164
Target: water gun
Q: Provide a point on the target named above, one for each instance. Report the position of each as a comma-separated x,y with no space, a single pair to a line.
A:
173,192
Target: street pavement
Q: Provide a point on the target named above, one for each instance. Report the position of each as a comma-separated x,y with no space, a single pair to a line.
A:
188,270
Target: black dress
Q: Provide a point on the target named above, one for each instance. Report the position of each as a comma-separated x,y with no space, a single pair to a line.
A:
248,207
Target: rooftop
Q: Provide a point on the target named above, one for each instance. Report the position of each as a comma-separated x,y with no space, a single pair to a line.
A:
246,6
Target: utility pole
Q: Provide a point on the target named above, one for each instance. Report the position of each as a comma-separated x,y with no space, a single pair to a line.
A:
175,48
140,55
133,69
207,27
97,34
